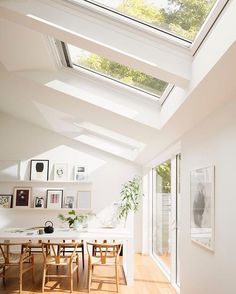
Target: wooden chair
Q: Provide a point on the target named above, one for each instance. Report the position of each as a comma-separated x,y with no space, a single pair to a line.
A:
80,249
34,247
107,254
95,249
53,256
12,255
2,274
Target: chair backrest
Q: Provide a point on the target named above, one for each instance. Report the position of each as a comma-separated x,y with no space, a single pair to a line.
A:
105,250
7,249
55,250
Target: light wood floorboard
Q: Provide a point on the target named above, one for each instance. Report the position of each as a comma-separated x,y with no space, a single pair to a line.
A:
148,279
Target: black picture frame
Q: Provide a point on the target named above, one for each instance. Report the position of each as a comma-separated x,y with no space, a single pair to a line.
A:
39,170
57,203
6,200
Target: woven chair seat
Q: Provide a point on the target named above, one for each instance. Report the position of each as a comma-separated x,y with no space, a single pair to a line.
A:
13,258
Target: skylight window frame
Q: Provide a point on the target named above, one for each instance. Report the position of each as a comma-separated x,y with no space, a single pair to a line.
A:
205,29
66,61
193,46
146,24
130,21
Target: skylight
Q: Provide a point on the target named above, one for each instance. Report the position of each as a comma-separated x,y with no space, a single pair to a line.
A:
116,71
109,141
181,18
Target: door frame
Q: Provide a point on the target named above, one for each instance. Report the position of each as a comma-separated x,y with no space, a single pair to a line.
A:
172,273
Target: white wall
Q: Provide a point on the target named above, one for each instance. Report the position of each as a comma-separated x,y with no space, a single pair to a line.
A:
212,142
23,141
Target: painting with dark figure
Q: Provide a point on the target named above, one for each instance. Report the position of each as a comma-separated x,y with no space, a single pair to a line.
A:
199,206
39,169
202,206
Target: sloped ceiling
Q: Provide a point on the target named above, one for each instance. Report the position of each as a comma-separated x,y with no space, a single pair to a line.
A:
24,51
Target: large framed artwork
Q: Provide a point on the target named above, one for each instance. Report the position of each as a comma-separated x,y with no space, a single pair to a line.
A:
22,197
39,169
202,184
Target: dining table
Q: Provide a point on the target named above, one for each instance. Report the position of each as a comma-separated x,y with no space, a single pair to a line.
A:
120,234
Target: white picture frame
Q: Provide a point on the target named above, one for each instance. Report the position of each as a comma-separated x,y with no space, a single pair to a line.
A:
22,197
80,173
61,172
39,202
84,199
54,198
202,201
69,202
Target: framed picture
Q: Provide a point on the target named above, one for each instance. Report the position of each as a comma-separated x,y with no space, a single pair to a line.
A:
80,173
21,197
69,202
84,199
39,202
39,170
60,172
5,201
202,206
54,198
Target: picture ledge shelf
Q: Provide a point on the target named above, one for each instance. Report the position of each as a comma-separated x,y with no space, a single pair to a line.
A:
43,182
45,209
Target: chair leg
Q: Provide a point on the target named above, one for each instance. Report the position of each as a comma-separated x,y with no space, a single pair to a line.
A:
89,276
32,261
20,276
44,275
117,277
83,257
71,276
4,276
77,270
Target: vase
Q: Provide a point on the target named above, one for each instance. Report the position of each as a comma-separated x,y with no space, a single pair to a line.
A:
80,226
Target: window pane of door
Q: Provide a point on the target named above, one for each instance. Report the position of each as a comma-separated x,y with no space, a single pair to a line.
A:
178,161
162,214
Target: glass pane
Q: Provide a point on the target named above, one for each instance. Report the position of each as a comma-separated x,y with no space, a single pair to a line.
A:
116,71
162,212
183,18
178,162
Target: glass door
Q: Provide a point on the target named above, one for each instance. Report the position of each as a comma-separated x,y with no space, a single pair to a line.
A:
178,189
165,213
162,214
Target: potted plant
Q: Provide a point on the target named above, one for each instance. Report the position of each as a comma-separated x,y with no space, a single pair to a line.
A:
130,198
75,220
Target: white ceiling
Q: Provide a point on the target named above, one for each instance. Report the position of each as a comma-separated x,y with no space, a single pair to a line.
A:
39,96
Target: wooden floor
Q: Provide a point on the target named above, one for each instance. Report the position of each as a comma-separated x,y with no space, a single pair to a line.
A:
148,279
